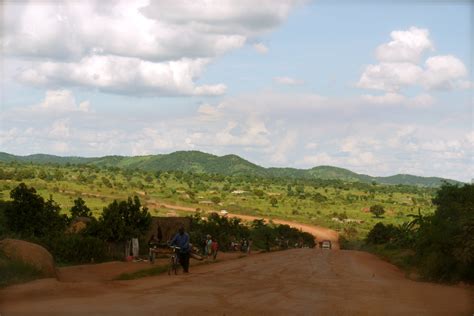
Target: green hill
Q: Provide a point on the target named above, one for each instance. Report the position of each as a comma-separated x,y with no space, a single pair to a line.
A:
199,162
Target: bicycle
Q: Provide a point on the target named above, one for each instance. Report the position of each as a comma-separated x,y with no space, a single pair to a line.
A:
174,261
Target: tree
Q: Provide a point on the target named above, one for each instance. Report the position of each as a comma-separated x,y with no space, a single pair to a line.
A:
80,209
445,240
28,214
123,220
380,234
258,192
215,199
273,201
377,210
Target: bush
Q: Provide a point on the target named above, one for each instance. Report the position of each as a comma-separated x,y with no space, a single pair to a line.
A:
445,247
75,248
377,210
381,234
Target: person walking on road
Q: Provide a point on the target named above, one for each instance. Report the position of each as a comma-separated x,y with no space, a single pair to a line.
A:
214,248
208,246
181,240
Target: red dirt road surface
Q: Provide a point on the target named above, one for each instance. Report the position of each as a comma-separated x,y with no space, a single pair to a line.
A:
299,281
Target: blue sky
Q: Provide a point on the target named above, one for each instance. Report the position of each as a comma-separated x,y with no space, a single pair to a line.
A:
379,88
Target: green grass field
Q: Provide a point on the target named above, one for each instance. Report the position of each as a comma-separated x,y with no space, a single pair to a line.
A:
339,205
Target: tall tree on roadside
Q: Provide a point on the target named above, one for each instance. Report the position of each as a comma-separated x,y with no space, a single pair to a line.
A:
28,214
80,209
121,221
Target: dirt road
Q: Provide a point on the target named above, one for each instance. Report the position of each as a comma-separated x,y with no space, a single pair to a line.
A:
319,232
300,281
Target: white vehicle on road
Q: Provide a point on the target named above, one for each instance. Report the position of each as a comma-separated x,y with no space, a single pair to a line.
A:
326,244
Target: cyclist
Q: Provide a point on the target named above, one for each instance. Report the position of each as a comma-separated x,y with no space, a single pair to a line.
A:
181,240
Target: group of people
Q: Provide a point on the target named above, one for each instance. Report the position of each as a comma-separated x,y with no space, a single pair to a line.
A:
211,247
244,245
181,241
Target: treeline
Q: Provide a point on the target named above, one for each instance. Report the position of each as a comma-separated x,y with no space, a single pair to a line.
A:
106,175
266,236
30,217
442,243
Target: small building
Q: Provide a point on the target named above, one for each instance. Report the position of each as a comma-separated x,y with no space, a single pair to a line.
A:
165,228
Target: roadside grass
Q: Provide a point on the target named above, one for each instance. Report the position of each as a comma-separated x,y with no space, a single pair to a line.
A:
14,272
157,270
148,272
402,258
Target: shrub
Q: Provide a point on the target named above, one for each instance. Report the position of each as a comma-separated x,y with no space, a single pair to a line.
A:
377,210
381,234
76,248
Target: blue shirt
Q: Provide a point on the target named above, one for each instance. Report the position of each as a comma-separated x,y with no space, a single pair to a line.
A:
182,241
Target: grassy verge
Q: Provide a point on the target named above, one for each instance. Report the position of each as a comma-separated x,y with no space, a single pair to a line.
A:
13,272
402,258
157,270
143,273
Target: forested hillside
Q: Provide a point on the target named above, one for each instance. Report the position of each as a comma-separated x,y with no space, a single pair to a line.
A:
199,162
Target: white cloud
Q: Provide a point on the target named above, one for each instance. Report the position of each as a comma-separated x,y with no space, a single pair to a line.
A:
422,100
391,98
60,101
288,81
60,147
125,75
390,77
362,159
311,145
279,155
136,47
260,48
60,129
388,98
399,66
406,46
443,72
319,159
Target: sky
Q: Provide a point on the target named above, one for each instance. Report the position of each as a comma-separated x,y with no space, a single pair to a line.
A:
377,87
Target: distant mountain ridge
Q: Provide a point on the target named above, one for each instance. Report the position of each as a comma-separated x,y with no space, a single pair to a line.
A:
200,162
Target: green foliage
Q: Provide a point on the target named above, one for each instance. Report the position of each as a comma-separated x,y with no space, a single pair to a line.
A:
377,210
143,273
381,234
265,236
215,199
77,248
259,193
445,248
29,214
224,229
273,201
443,242
199,162
80,209
123,220
3,220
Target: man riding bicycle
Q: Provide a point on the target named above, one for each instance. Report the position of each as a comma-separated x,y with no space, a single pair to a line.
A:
181,240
